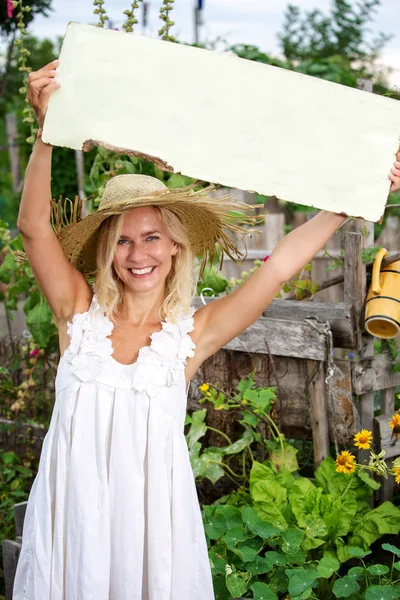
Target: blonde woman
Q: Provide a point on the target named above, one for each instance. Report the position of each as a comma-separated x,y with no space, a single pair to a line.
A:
113,513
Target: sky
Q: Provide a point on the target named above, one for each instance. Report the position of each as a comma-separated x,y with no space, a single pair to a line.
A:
254,22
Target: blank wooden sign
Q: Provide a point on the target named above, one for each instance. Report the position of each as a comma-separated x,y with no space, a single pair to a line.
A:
222,119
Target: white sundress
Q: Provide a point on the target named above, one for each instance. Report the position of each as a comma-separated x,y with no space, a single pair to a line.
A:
113,512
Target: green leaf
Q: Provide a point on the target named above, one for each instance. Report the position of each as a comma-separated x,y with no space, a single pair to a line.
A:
292,539
381,592
362,474
198,428
339,485
299,581
205,465
327,566
253,521
385,519
236,583
391,548
356,573
9,457
216,528
396,565
39,323
243,442
7,266
284,458
260,565
277,559
251,419
345,587
245,553
217,562
30,302
234,536
263,591
231,514
178,181
378,569
269,496
358,552
220,590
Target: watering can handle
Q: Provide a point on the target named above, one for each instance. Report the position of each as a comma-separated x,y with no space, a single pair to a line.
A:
376,271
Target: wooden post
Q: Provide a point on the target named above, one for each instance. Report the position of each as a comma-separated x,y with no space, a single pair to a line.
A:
319,409
13,150
80,174
353,278
367,350
387,408
11,551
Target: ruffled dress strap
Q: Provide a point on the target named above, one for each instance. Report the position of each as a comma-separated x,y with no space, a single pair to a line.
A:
163,362
90,345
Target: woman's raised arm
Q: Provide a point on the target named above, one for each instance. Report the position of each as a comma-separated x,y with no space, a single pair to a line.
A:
62,284
223,319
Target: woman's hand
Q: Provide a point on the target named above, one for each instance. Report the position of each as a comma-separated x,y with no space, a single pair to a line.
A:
394,174
40,86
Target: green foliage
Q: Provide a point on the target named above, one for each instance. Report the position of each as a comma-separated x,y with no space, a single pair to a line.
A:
35,7
16,477
279,533
342,33
30,367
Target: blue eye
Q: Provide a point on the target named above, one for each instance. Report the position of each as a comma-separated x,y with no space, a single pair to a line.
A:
153,237
120,242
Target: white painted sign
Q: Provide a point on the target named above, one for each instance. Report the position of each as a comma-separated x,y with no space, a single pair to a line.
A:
222,119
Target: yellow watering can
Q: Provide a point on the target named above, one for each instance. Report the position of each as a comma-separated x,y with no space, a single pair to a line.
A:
382,309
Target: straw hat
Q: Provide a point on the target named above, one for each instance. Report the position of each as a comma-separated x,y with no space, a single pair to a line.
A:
208,220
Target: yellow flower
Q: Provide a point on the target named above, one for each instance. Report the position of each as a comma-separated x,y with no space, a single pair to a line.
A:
345,463
397,474
395,425
363,439
204,388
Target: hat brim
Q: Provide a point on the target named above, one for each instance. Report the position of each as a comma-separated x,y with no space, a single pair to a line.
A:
208,220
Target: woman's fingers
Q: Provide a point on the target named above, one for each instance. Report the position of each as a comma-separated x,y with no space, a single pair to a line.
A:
46,71
41,84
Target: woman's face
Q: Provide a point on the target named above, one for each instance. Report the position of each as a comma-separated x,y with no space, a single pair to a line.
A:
143,256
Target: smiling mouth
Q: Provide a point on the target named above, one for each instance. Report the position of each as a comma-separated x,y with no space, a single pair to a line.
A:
142,272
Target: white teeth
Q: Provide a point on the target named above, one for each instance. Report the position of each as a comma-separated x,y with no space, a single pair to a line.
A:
142,271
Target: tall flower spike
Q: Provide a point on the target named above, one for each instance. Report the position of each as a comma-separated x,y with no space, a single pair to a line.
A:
23,55
165,9
131,17
101,11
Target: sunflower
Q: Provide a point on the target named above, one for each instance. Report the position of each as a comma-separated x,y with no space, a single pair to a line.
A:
363,439
395,425
397,474
345,462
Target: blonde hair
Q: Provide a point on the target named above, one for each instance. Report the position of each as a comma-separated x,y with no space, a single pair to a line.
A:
180,284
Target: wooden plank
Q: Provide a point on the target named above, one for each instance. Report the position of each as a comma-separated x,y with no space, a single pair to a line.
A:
297,339
353,278
19,516
339,316
319,410
11,552
383,432
387,408
366,401
225,369
238,140
370,375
